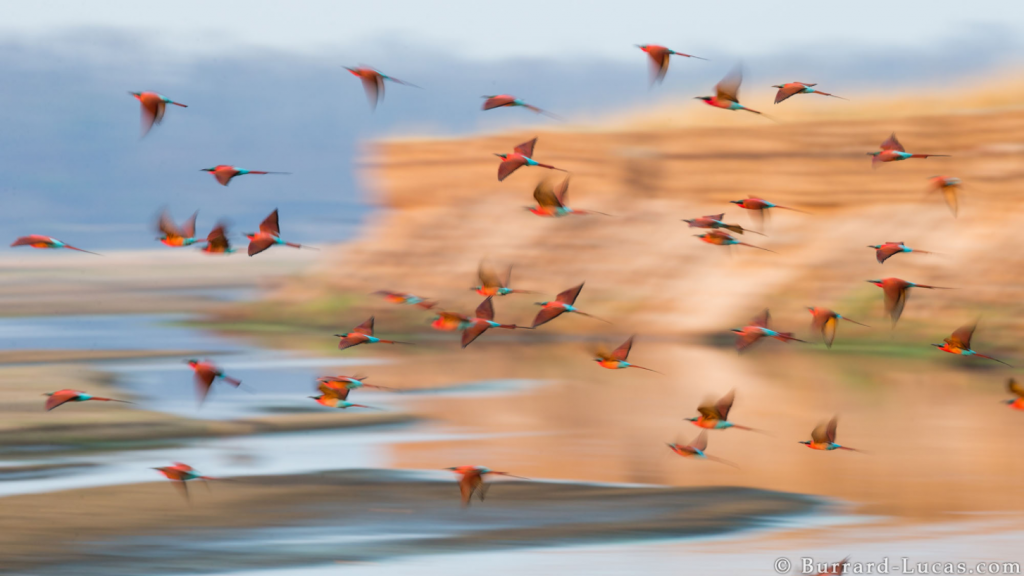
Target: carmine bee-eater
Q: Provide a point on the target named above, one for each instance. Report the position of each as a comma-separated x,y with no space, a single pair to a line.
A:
269,235
482,321
893,151
373,83
714,222
1017,390
659,56
334,396
727,93
757,329
719,238
348,383
616,359
61,397
217,240
37,241
696,449
896,292
172,234
885,251
507,100
714,415
960,343
180,473
153,107
362,334
825,321
794,88
823,437
405,298
949,187
224,173
760,207
205,373
551,201
492,285
521,156
471,479
562,303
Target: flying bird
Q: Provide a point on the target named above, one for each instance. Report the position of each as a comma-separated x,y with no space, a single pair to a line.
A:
696,449
61,397
492,285
714,415
893,151
727,93
173,235
507,100
471,480
333,396
362,334
719,238
659,59
616,359
793,88
348,383
37,241
949,187
896,292
269,235
757,329
482,321
405,298
179,474
205,374
153,107
562,303
224,173
823,437
521,156
825,322
714,222
373,83
960,343
1017,390
551,201
885,251
217,240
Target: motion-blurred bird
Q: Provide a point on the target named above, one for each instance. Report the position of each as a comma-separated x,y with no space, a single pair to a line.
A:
507,100
893,151
562,303
471,479
760,207
1017,390
362,334
269,235
794,88
521,156
696,449
492,285
180,473
757,329
823,437
727,93
153,107
483,321
714,415
217,241
224,173
64,396
406,298
719,238
659,59
885,251
348,383
949,187
174,235
373,83
714,221
337,397
37,241
551,201
960,343
205,373
896,292
616,359
825,322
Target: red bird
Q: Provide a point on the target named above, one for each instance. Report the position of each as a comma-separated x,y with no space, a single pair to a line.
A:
405,298
205,373
373,83
659,59
174,235
727,93
714,414
507,100
493,285
224,173
471,479
217,240
153,107
562,303
893,151
616,359
714,221
823,437
180,473
1017,390
61,397
37,241
719,238
362,334
885,251
757,329
794,88
896,292
269,235
760,207
482,321
696,449
960,343
551,201
825,322
521,156
949,187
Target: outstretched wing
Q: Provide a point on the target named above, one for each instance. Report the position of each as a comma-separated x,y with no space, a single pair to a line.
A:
830,430
762,319
659,64
189,228
622,352
546,315
746,340
488,277
546,196
569,296
365,327
167,226
729,87
886,252
259,245
828,330
725,404
562,190
526,148
961,337
269,224
895,300
58,398
474,332
1014,387
820,434
217,239
486,309
701,441
892,144
373,85
335,391
509,166
498,101
709,409
788,90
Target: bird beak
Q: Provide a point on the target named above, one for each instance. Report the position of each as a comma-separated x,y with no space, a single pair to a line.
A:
339,335
776,86
937,345
697,98
736,330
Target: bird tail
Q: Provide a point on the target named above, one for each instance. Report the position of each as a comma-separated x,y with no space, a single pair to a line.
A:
929,155
180,104
394,342
233,381
932,287
544,112
722,461
855,322
645,368
294,245
123,401
591,316
588,212
850,449
787,337
80,250
426,305
792,209
758,247
991,358
832,95
551,167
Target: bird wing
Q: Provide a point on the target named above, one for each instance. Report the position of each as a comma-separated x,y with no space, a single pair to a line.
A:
30,240
149,117
270,225
725,404
828,330
729,87
526,148
217,239
747,339
348,343
961,337
473,332
1014,387
788,90
365,327
486,309
949,194
167,226
659,63
886,252
895,300
258,245
892,144
224,176
562,190
488,277
339,392
820,433
498,101
762,319
569,296
701,441
60,397
545,196
709,409
509,166
468,485
830,430
546,315
189,228
717,217
373,85
622,352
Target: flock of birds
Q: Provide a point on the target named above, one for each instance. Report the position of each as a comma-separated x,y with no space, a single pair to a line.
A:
550,202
